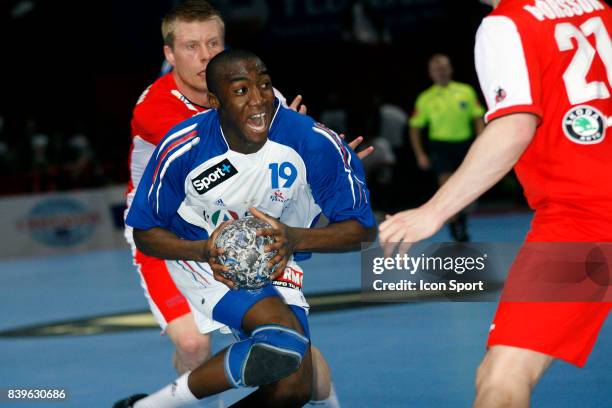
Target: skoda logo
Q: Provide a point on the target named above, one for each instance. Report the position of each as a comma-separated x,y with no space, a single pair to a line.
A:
584,125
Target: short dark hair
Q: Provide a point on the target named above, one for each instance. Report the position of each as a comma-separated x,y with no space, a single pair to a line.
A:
188,11
218,65
439,56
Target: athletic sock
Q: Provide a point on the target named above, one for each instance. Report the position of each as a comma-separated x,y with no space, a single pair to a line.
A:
174,395
329,402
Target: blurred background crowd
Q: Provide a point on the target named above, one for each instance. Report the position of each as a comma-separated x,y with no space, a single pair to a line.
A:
70,84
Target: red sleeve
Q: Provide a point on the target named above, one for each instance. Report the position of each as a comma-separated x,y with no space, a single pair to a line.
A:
154,117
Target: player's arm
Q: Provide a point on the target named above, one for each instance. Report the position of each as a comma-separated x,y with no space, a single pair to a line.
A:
155,204
501,62
339,236
163,244
337,181
491,156
153,213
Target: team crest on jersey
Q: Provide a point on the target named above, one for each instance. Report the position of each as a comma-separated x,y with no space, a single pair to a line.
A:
214,176
278,197
584,125
500,95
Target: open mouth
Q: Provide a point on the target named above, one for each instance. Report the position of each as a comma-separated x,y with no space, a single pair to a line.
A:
257,122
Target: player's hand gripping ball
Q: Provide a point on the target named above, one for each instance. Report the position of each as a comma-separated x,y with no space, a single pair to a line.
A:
244,253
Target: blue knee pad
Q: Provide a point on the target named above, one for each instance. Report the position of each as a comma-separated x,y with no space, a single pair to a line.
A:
270,354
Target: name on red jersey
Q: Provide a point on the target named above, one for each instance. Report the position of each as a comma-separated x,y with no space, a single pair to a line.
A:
553,9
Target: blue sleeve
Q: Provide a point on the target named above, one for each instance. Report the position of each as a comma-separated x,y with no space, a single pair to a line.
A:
336,178
162,187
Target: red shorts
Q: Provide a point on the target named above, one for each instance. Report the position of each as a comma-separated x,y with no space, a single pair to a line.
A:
564,330
166,301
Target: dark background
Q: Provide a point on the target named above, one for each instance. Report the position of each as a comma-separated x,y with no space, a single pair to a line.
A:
81,66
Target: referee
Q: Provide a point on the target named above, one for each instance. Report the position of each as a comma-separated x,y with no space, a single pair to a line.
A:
453,115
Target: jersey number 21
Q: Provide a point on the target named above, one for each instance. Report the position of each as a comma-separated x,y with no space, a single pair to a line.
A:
578,89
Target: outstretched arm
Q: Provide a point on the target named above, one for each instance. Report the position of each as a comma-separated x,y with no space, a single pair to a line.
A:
492,155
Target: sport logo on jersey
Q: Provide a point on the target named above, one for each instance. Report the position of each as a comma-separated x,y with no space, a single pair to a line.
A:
584,125
214,176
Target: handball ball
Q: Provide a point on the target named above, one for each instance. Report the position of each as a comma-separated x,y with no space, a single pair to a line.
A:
244,253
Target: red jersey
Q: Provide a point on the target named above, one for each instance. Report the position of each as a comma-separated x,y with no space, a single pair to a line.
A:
554,59
160,107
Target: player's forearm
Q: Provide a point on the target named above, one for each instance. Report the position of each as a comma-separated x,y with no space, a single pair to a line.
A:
163,244
415,141
492,155
336,237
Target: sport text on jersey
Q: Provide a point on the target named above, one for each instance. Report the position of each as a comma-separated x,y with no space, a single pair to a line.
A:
553,9
214,176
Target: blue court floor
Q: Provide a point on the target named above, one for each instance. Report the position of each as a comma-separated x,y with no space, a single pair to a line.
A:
398,355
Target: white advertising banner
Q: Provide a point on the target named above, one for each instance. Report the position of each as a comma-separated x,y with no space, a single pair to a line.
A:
57,223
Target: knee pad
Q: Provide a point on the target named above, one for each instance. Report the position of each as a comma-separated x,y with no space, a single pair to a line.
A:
270,354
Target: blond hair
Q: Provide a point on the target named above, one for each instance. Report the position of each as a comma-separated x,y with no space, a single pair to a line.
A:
188,11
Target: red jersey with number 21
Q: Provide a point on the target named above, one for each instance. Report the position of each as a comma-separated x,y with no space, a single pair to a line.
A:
554,59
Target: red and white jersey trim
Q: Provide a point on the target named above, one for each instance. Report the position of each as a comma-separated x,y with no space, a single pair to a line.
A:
140,155
502,68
